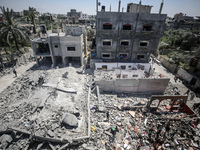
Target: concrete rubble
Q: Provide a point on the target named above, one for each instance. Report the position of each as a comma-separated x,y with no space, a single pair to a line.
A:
63,108
30,111
138,127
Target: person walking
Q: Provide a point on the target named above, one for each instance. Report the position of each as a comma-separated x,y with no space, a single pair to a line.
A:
15,72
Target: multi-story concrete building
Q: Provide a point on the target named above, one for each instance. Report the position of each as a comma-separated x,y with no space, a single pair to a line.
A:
69,46
73,16
84,16
128,36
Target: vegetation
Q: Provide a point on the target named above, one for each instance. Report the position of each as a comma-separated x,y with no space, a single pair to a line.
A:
179,46
185,39
31,16
90,34
10,30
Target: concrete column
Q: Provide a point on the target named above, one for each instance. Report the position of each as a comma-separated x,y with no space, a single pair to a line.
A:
34,52
161,6
65,61
81,60
119,5
51,52
139,7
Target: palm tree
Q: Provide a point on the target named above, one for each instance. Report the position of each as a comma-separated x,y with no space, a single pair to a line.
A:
32,15
10,28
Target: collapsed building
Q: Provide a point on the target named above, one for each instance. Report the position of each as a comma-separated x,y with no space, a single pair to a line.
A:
69,46
138,78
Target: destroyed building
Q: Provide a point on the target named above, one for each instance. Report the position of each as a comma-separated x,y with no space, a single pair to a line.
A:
69,46
134,77
128,36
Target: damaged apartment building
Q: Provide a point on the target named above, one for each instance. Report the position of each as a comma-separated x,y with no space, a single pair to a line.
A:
124,42
69,46
128,36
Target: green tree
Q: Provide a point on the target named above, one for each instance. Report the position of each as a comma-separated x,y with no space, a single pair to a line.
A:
10,28
32,15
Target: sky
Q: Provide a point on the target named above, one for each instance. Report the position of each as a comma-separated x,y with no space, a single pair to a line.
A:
171,7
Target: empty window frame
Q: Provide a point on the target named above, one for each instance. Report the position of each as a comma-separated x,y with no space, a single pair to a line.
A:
125,76
125,43
106,55
107,43
123,56
140,57
123,67
147,27
71,49
55,46
107,26
144,43
104,66
134,76
127,27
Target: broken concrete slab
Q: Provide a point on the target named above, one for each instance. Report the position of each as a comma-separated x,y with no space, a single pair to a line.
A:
50,133
64,89
6,138
70,120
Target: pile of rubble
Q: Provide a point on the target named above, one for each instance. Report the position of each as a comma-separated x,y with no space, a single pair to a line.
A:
126,123
46,106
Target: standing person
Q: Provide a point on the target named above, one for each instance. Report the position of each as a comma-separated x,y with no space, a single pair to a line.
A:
15,72
107,114
187,92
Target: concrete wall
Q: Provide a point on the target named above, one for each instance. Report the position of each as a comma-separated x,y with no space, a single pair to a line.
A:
184,74
170,66
73,41
130,73
55,41
111,66
156,86
129,66
135,35
188,77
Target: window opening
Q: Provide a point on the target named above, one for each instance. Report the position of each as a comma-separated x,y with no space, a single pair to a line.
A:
106,55
107,43
126,27
147,27
71,48
135,75
124,43
123,56
104,66
125,76
123,67
144,44
107,26
140,57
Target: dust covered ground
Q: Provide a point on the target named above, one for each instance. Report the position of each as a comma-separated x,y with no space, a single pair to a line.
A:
48,109
27,106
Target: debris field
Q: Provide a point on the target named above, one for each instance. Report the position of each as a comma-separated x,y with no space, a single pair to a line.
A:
64,109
